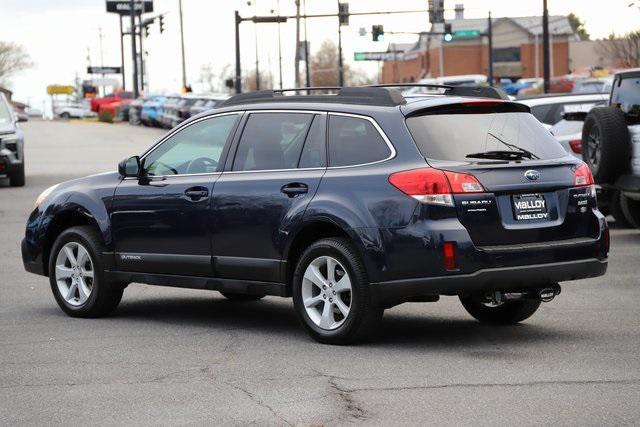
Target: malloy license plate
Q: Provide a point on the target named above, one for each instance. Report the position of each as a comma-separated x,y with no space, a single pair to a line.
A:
530,207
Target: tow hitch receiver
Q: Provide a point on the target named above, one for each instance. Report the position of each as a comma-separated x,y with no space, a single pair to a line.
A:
545,294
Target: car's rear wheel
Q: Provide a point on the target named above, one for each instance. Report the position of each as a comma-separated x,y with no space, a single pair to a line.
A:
503,313
241,297
76,274
630,209
17,178
65,115
331,293
615,209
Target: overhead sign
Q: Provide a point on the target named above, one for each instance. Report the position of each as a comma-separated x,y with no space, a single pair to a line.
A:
60,90
123,7
463,34
104,70
378,56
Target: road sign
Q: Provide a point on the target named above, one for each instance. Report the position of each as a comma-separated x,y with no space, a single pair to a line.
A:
123,7
373,56
60,90
462,34
104,70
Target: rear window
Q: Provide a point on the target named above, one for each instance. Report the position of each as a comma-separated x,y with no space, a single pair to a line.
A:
453,137
354,141
626,94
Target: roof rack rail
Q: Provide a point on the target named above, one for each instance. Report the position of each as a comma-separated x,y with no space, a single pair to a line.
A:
476,91
364,95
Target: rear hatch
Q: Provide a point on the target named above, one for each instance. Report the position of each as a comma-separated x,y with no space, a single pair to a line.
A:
531,189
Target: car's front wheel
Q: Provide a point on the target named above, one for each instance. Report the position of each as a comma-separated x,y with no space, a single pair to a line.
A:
76,274
502,313
331,293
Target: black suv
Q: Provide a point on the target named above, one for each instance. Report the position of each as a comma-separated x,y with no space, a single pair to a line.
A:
350,202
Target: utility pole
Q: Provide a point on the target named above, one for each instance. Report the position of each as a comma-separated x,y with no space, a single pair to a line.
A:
279,45
134,54
340,66
238,83
101,57
122,53
545,46
184,72
140,31
306,49
297,61
490,65
255,37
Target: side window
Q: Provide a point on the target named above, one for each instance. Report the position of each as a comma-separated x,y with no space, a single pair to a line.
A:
541,112
195,149
272,141
314,153
354,141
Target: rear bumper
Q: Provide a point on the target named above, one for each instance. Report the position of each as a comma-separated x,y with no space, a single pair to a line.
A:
490,279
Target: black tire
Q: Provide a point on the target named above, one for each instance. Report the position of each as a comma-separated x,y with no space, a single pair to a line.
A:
65,116
17,178
363,316
630,210
105,296
241,297
606,146
615,209
507,313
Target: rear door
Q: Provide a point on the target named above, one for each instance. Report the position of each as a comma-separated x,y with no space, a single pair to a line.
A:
267,184
532,198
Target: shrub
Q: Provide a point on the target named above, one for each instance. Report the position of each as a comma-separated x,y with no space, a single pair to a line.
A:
105,116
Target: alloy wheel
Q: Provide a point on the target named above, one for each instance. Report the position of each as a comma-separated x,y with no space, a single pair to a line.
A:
326,292
74,273
593,141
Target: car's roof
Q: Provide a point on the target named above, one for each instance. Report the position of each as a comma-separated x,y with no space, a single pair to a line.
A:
562,99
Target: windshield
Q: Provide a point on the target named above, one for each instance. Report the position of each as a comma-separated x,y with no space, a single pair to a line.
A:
461,137
5,115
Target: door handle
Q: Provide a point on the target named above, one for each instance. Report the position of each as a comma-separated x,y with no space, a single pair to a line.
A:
196,193
295,189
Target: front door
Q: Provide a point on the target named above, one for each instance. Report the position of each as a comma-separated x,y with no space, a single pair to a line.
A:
161,222
278,164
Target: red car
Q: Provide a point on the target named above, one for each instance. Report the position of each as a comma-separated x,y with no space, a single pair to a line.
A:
118,96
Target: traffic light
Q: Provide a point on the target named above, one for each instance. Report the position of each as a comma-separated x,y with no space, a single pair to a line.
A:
343,13
161,23
377,33
448,36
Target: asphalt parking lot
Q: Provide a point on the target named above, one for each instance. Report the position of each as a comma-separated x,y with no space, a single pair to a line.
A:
172,356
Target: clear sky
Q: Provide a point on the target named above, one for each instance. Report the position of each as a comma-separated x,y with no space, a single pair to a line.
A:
58,34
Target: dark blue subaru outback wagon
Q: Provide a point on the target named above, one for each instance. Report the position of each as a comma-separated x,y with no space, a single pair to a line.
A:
351,203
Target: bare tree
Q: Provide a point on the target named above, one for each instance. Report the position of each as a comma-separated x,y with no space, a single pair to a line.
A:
623,51
208,78
13,59
323,66
249,80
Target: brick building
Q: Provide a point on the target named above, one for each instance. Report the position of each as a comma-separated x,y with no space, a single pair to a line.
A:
517,50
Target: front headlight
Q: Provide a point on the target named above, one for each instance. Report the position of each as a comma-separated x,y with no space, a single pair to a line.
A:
41,198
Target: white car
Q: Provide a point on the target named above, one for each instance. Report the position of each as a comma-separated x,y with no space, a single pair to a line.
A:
548,109
74,111
569,135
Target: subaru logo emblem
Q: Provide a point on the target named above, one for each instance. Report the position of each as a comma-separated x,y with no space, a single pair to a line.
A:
532,175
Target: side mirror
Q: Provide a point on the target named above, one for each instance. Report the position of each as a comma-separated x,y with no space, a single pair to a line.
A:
130,167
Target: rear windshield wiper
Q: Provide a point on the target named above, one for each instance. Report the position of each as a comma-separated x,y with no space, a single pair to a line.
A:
502,155
527,154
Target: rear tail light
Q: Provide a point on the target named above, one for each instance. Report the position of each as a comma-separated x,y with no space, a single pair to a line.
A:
449,255
576,146
583,176
434,186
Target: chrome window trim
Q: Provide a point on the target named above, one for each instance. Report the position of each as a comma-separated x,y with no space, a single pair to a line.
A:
375,124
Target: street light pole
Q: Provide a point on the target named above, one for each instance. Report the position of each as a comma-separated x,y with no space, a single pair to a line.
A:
306,49
238,82
490,37
545,46
134,54
340,66
184,72
122,54
279,46
141,50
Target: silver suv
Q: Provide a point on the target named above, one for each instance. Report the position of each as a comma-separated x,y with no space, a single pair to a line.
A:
11,145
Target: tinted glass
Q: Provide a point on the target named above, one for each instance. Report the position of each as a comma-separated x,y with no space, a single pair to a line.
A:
195,149
272,141
454,136
541,112
314,153
354,141
626,93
